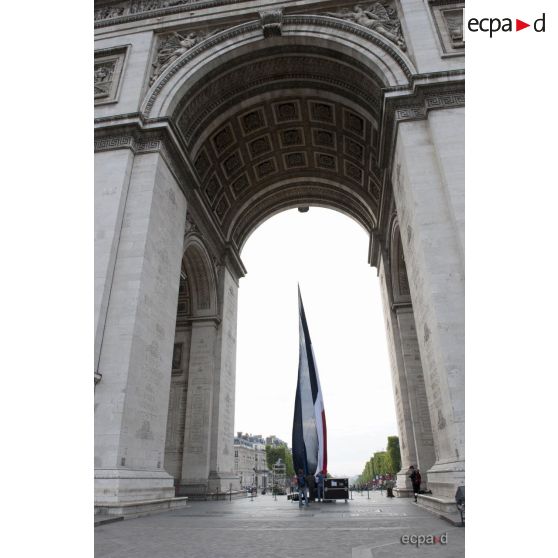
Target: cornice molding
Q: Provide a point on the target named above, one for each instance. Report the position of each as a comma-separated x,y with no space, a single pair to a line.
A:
206,44
354,29
135,12
289,25
141,136
415,105
145,141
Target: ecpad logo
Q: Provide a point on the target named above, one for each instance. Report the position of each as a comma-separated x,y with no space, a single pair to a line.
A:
494,24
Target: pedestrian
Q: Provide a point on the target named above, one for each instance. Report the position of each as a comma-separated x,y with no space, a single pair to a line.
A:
311,484
301,485
415,480
293,484
320,478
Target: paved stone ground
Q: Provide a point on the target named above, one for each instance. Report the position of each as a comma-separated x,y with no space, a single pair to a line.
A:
269,528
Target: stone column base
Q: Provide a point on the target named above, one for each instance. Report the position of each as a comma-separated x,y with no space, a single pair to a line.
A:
444,478
195,490
223,482
122,486
204,489
130,510
403,487
403,492
444,508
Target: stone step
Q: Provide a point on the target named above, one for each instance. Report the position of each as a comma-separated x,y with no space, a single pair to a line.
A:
103,518
139,508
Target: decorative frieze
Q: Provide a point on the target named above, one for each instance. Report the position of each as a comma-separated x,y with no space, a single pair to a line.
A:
362,87
134,10
416,106
454,23
448,19
380,17
107,69
103,75
150,5
114,142
153,141
109,12
444,100
172,47
431,101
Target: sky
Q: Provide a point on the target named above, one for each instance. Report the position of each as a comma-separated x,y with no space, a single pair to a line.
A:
326,252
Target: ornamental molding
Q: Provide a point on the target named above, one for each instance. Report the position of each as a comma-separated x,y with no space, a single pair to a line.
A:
448,18
271,23
262,86
415,105
287,25
430,102
108,68
172,47
293,195
445,2
380,17
142,136
135,10
141,141
354,29
209,42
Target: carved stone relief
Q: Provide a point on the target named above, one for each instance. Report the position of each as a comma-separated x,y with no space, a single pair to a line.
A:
107,69
171,47
109,12
448,18
103,75
454,22
379,16
150,5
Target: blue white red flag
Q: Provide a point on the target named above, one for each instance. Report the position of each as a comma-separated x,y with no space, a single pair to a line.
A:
309,425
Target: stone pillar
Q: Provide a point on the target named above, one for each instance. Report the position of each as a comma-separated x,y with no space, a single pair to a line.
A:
222,456
400,388
199,404
174,443
112,178
131,400
416,392
429,199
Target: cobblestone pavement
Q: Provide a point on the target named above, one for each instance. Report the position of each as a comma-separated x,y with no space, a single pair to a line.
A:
269,528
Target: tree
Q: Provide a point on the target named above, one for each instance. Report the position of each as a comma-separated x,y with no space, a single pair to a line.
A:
382,462
289,462
394,453
273,453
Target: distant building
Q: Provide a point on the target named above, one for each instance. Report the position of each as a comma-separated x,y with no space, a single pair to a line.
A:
274,441
250,460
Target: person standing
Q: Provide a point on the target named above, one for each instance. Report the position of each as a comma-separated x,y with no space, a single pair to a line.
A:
311,484
415,480
320,477
301,485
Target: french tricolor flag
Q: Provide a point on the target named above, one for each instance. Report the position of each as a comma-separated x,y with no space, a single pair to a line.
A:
309,425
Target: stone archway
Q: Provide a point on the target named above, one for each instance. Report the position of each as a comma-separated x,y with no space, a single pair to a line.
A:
190,393
274,112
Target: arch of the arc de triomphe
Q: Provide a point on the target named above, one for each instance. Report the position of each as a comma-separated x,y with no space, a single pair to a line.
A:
212,115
